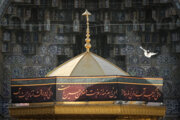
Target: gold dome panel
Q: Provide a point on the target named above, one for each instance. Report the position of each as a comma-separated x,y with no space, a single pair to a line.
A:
87,64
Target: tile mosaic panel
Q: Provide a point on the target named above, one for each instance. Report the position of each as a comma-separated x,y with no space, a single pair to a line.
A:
6,88
16,72
173,106
166,73
123,51
144,60
14,59
133,59
130,49
37,60
52,49
42,50
167,59
152,72
47,60
168,89
59,39
29,72
139,51
136,71
6,82
5,110
46,38
43,71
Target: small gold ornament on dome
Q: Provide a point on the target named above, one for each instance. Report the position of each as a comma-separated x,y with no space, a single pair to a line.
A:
88,40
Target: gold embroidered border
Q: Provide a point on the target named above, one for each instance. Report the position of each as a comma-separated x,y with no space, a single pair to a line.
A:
88,109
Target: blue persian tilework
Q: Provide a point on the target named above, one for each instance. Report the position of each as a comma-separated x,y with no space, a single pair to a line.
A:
14,59
37,59
59,39
166,73
173,106
139,51
144,60
43,71
6,88
134,59
29,72
152,72
136,71
168,89
42,50
17,72
52,49
5,110
123,51
46,38
47,60
130,49
166,59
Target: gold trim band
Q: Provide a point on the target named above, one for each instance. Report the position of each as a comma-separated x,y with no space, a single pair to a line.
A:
86,77
87,83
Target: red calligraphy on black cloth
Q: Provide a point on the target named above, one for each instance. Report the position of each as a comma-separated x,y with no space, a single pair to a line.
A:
28,94
141,93
88,92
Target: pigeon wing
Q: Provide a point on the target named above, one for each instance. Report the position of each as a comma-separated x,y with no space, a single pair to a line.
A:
152,53
142,48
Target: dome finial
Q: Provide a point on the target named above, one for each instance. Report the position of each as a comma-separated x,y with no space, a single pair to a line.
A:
88,44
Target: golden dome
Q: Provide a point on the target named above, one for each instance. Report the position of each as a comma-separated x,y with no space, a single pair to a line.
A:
87,64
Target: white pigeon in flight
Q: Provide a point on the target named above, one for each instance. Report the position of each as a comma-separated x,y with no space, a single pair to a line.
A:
147,53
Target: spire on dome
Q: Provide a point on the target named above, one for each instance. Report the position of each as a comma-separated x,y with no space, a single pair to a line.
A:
88,40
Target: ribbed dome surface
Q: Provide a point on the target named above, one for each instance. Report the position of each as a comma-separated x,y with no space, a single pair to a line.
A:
87,64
